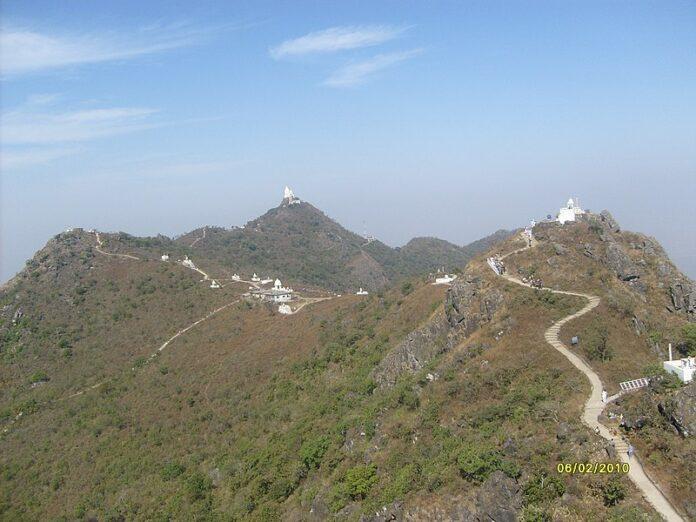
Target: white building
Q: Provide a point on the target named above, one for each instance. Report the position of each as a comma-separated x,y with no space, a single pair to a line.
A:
361,292
266,281
289,197
285,309
570,212
682,368
445,279
277,294
235,277
188,263
214,284
165,257
255,278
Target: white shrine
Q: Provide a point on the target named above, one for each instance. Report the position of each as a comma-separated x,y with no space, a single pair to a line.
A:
165,257
682,368
361,292
570,212
236,277
445,279
188,263
289,197
214,284
266,280
255,278
277,294
285,309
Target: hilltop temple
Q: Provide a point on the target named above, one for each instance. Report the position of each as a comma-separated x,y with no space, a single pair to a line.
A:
277,294
570,211
289,197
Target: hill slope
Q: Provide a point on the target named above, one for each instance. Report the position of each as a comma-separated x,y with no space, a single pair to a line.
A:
419,401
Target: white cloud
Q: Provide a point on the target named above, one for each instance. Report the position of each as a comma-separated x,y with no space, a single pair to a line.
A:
359,72
18,159
26,126
25,51
336,39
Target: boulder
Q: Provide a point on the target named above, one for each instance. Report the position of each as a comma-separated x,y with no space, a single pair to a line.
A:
559,249
499,499
608,221
680,410
683,295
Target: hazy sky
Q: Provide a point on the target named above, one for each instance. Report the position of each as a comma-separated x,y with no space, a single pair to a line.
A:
450,119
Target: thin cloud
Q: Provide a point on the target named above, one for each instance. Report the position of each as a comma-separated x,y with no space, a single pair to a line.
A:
336,39
26,126
18,159
24,51
359,72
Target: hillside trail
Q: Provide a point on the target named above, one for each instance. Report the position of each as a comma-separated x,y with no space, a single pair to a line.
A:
100,244
197,239
594,405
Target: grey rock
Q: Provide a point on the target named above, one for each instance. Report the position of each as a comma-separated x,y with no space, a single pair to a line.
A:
562,431
683,295
680,410
621,263
499,499
608,220
559,249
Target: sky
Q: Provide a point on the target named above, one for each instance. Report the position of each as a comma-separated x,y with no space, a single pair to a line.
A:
399,119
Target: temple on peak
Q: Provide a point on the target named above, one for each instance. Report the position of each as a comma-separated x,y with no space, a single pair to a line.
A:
289,197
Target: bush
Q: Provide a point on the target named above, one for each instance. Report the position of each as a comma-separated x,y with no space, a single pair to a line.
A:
171,470
613,492
312,451
688,336
477,461
198,485
407,288
597,342
542,488
360,479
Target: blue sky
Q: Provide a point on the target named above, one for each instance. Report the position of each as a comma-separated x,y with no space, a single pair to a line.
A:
450,119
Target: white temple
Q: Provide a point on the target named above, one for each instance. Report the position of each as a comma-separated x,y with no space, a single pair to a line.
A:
277,294
570,211
682,368
361,292
255,278
236,277
188,263
214,284
285,309
165,257
289,197
445,279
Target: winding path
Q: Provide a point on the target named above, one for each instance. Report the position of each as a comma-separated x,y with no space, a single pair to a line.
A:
100,244
594,405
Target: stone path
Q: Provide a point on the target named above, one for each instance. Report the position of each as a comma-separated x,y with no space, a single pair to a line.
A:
197,239
594,405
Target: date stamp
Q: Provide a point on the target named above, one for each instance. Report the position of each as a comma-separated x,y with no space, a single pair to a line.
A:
603,468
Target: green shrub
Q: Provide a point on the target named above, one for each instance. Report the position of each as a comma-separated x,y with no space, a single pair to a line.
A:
597,343
613,492
688,338
198,485
543,488
360,479
312,451
476,461
171,470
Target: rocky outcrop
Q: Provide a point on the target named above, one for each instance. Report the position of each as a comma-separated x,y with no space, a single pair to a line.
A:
683,295
680,410
499,499
469,303
621,263
608,221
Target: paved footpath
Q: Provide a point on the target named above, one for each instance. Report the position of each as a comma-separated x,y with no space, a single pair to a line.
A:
594,405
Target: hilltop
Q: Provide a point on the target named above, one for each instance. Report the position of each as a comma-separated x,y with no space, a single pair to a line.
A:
417,401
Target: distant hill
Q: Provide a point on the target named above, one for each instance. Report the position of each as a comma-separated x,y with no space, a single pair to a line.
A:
298,242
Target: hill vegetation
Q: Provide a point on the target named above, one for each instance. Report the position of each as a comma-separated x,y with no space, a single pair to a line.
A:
418,401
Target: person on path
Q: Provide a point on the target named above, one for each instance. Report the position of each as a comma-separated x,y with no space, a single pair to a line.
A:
604,395
630,451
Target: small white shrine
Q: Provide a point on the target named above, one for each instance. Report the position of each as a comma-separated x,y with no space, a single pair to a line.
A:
285,309
188,263
682,368
445,279
570,212
165,257
289,197
361,292
236,277
214,284
266,280
255,278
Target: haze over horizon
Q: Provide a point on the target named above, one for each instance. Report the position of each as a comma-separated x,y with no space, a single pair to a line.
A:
451,122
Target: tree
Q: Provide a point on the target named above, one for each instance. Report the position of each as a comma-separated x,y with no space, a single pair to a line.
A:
312,451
